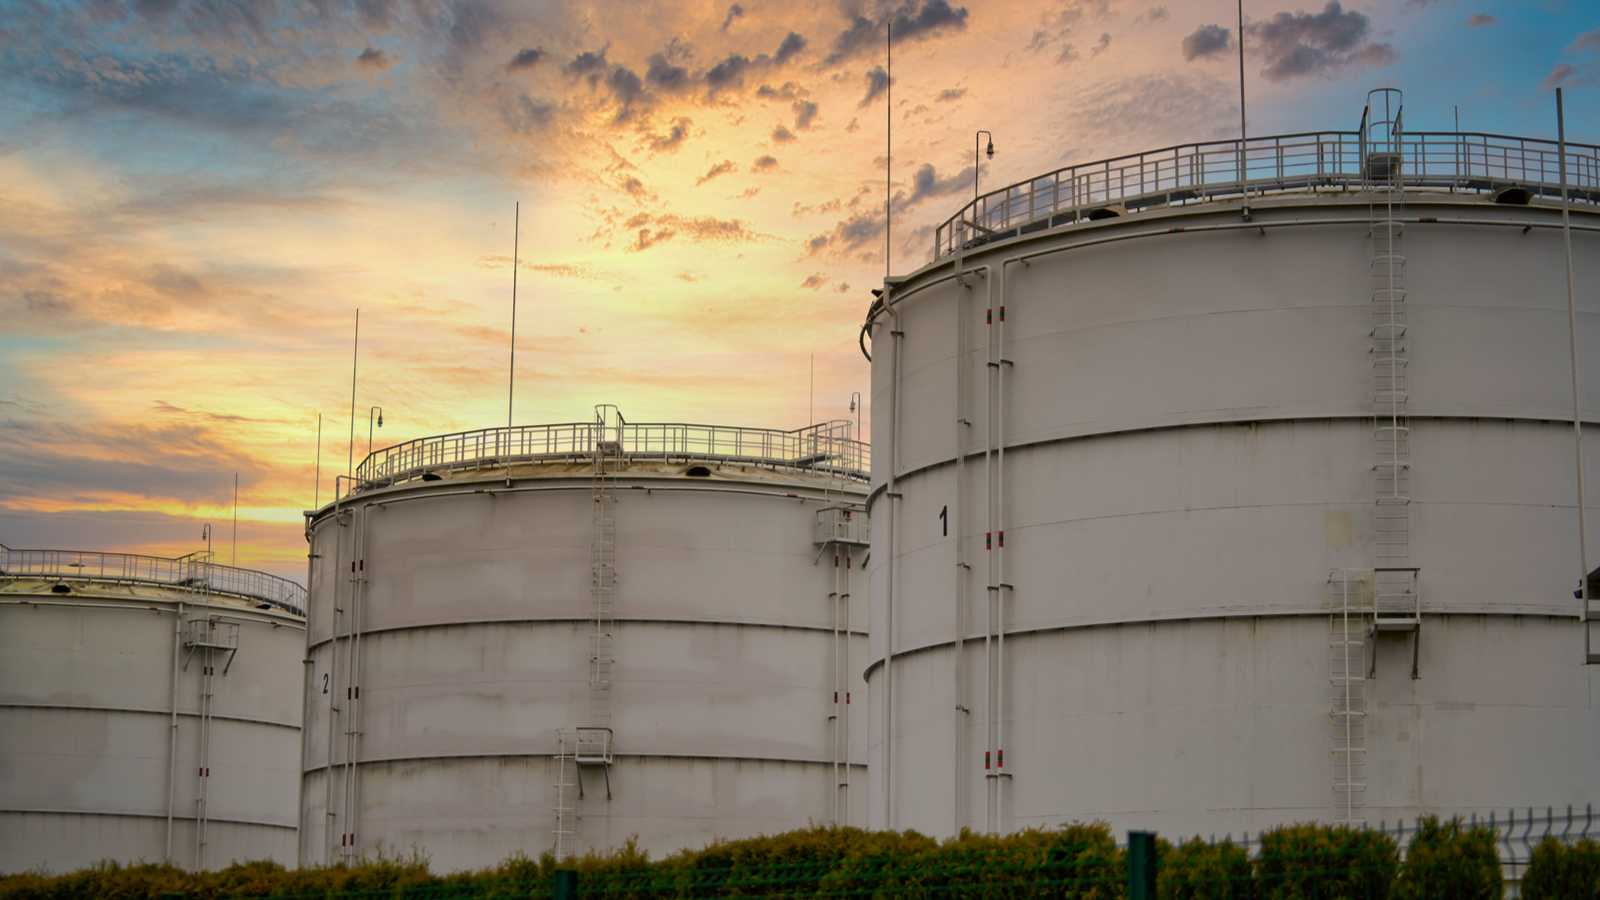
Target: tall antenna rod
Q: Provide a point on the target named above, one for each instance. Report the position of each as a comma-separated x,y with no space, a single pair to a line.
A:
888,156
316,491
233,555
1577,417
511,387
1244,193
350,458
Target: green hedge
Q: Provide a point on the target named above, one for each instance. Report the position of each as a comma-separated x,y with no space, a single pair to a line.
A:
1196,870
1451,861
1445,861
1560,871
1322,862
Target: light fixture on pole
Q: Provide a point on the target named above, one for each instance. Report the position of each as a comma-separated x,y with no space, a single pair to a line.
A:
379,411
855,407
975,163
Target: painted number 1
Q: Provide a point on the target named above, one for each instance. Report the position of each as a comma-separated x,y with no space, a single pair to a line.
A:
944,521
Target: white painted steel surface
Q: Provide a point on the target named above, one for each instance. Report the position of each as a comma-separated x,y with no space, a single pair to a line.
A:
474,613
94,756
1172,425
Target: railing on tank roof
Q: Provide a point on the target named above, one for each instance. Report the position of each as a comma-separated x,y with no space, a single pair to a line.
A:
194,572
827,450
1201,172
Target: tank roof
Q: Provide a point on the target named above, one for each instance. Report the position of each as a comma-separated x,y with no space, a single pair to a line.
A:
1236,170
135,576
826,453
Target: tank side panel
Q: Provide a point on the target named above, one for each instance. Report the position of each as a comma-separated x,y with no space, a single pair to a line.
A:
471,813
67,842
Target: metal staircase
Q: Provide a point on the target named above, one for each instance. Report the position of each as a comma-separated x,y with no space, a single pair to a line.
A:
1347,674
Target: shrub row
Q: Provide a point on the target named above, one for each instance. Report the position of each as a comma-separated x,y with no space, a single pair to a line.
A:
1444,861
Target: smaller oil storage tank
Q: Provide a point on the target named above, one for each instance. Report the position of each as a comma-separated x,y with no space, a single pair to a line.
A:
556,637
149,710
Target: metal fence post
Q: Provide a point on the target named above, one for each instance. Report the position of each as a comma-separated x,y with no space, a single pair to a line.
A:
1141,865
566,885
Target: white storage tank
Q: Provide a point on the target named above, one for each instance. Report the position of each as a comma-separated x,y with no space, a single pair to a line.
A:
1205,516
149,710
557,637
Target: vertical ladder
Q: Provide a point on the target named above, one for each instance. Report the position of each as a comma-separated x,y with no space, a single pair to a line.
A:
602,563
1347,674
566,808
1382,181
590,744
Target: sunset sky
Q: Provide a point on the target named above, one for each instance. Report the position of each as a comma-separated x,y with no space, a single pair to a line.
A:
197,195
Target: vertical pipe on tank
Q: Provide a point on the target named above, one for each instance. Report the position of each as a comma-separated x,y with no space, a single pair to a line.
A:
172,745
957,715
358,521
892,495
1577,415
846,713
334,613
990,588
1000,561
302,834
833,678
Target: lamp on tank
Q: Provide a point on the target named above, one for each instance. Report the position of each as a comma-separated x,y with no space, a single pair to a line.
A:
379,411
855,407
975,164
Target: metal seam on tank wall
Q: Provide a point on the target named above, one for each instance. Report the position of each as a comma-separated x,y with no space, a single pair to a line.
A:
133,815
1438,414
579,620
1551,612
615,755
156,712
531,489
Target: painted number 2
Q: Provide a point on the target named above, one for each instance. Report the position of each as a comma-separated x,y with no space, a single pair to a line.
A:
324,682
944,522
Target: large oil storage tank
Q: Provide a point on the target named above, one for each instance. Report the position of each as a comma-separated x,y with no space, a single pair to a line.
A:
1205,508
557,637
149,710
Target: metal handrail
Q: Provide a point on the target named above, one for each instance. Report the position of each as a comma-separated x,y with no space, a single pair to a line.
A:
826,450
1201,172
194,572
